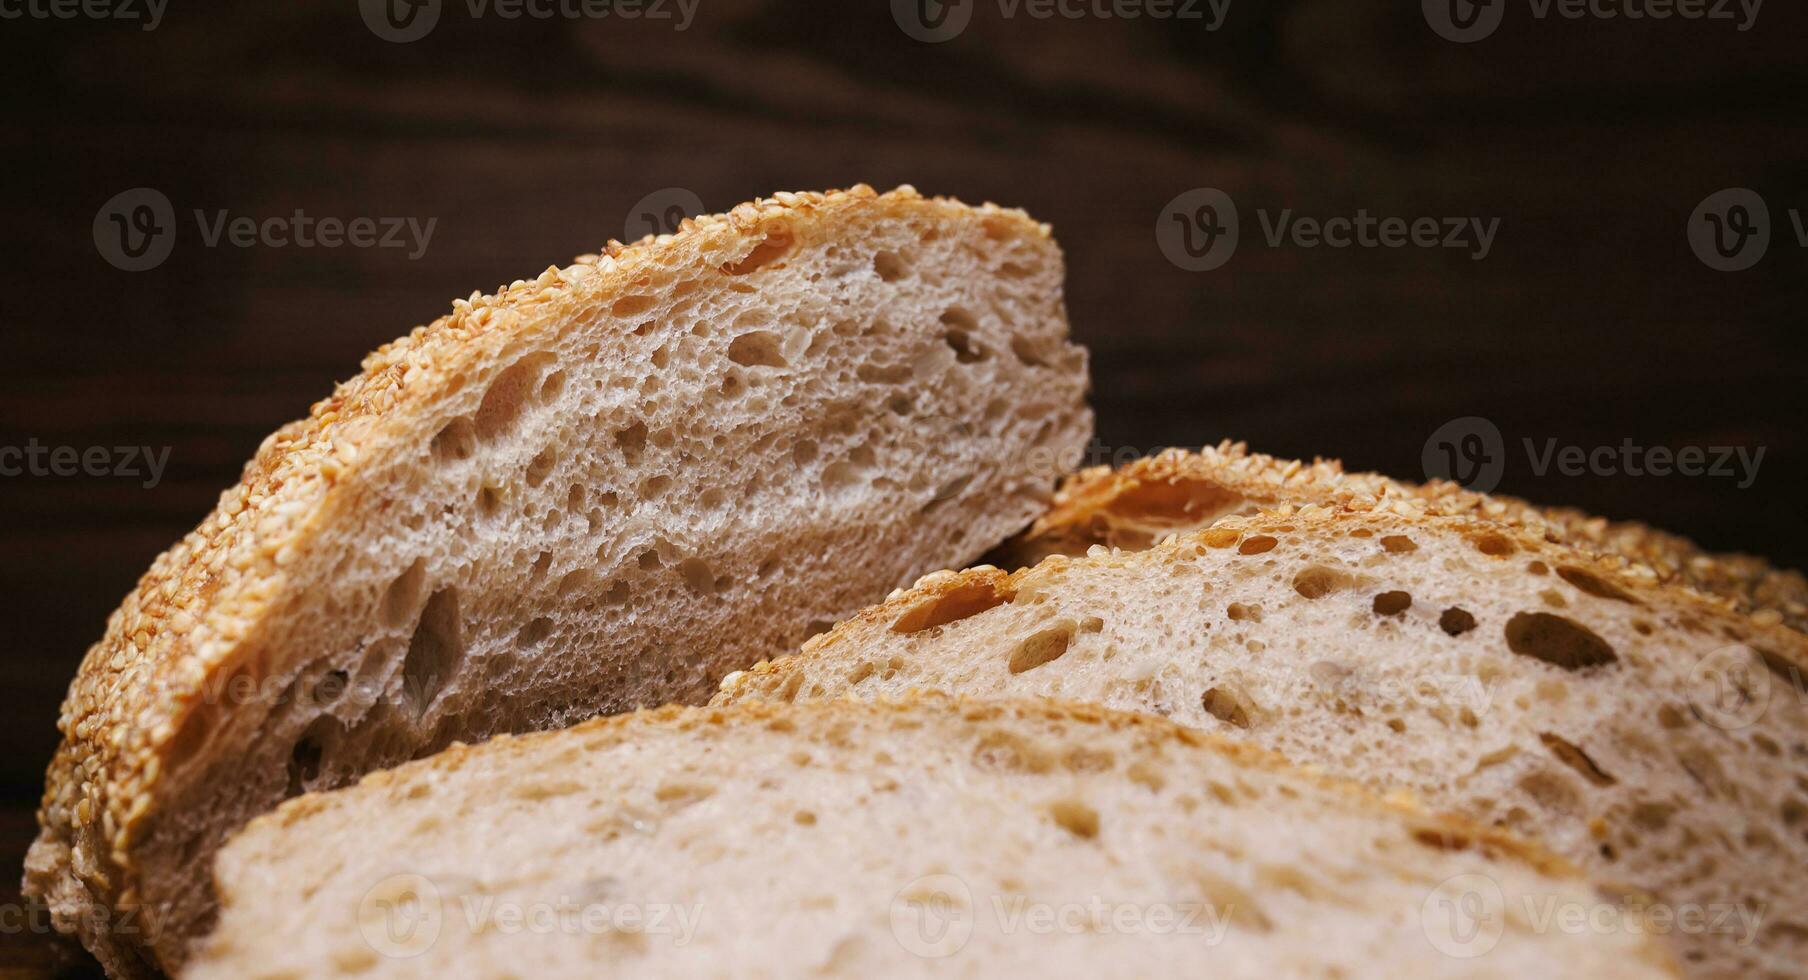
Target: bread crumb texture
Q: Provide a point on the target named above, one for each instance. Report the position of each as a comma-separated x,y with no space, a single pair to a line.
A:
595,490
1647,732
928,836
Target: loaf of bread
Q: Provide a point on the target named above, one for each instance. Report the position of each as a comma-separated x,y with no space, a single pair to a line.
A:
1640,729
592,491
1133,506
925,837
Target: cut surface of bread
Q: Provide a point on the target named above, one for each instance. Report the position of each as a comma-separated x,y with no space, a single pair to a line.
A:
845,839
1642,730
1135,505
594,491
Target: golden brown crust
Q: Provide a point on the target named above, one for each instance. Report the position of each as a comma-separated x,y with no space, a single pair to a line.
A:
1177,490
190,615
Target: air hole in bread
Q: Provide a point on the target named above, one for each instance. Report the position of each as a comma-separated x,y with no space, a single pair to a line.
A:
540,467
1256,544
1042,647
890,266
1226,706
552,386
841,476
1244,612
761,348
632,306
1027,352
1538,568
1075,817
434,652
1493,543
457,440
489,500
536,630
403,595
304,762
1593,584
680,793
1456,621
507,396
770,249
1557,641
1392,603
1318,581
966,349
697,576
654,487
1443,839
1572,756
1398,544
632,440
958,603
948,491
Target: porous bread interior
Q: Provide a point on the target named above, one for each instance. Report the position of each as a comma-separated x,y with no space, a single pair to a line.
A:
1137,504
680,476
1642,731
810,839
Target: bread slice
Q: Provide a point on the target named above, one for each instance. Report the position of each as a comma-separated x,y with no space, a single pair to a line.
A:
597,490
1642,730
1134,505
842,839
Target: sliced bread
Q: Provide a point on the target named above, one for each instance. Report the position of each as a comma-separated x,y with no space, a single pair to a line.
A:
1135,505
1642,730
597,490
927,837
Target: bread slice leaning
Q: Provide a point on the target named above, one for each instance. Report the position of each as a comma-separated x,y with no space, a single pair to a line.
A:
844,839
597,490
1642,730
1137,504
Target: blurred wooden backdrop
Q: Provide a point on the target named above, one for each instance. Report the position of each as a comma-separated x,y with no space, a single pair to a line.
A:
530,141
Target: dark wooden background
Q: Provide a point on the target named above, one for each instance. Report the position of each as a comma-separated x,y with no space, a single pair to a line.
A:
1591,322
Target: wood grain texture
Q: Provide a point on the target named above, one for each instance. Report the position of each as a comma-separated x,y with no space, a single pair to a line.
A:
1590,322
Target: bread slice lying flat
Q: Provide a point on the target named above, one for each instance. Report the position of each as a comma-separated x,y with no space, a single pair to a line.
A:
844,839
1642,730
1135,505
597,490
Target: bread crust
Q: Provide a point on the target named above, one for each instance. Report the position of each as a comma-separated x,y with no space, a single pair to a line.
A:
187,622
1177,490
